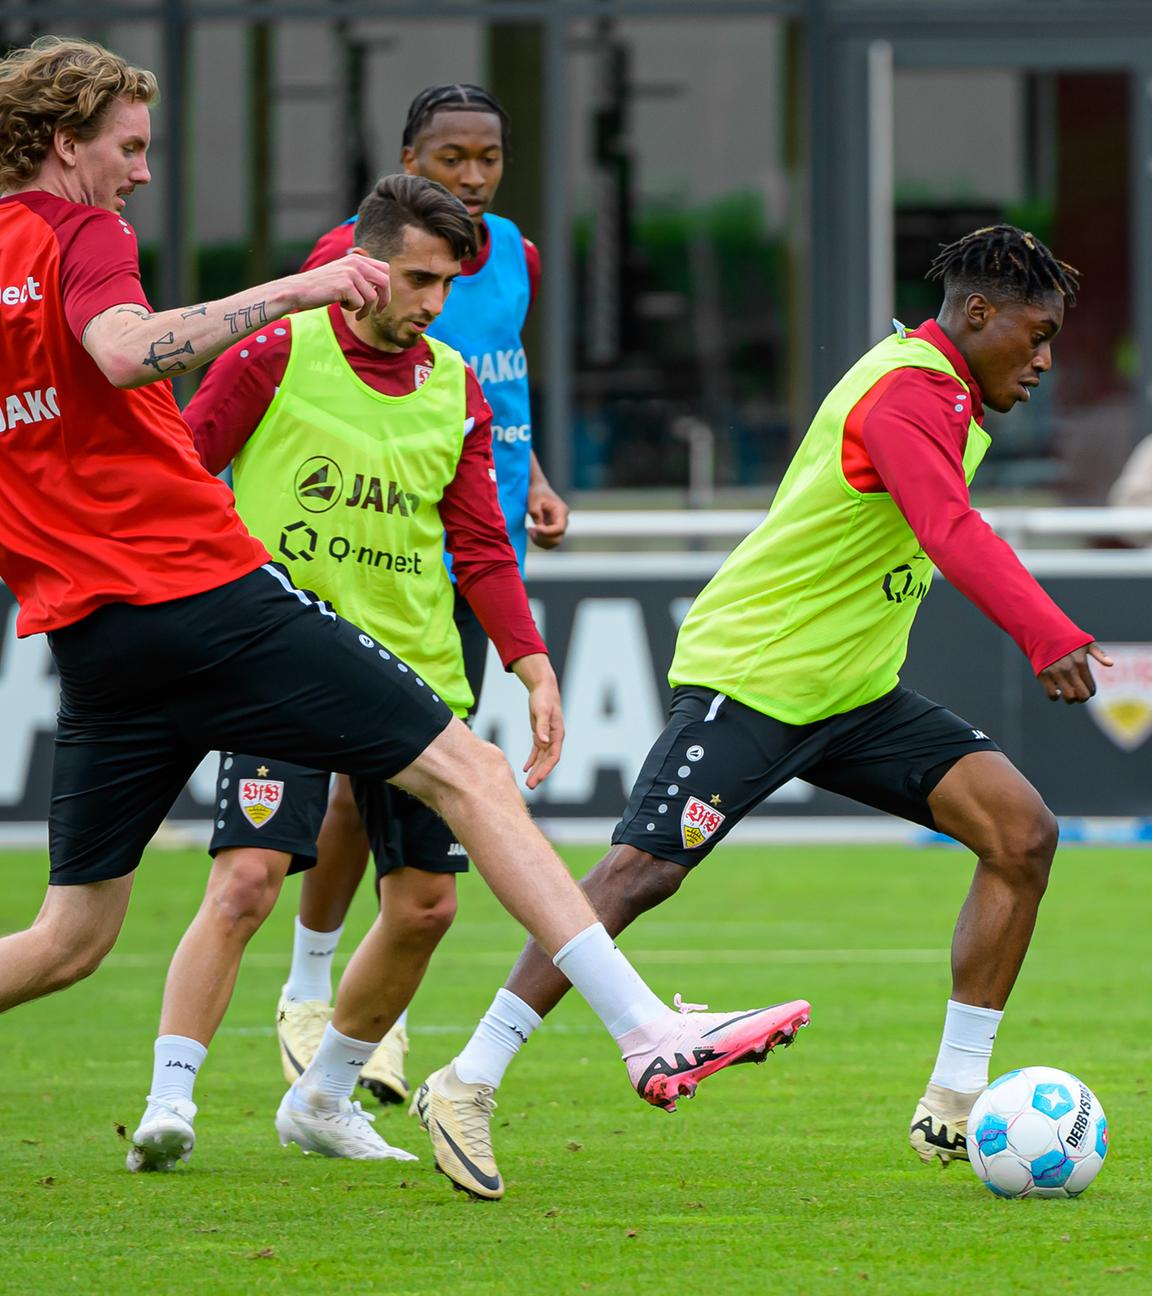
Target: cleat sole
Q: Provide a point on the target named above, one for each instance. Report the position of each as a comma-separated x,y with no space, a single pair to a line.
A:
384,1093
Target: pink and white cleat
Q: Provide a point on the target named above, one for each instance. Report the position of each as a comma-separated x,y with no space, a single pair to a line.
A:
698,1043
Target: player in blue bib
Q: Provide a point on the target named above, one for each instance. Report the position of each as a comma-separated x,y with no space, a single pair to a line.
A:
457,135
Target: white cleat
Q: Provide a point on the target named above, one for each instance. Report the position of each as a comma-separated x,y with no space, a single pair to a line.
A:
332,1129
164,1137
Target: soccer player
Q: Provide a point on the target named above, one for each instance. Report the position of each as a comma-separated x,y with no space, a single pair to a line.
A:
172,632
458,135
359,448
787,665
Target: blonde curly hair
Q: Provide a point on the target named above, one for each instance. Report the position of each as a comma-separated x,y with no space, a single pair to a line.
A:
59,83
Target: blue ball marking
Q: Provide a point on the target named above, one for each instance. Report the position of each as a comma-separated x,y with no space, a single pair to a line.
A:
1101,1138
1052,1100
1053,1169
992,1135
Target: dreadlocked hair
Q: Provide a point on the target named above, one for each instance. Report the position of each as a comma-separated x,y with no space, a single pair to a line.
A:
459,97
1003,261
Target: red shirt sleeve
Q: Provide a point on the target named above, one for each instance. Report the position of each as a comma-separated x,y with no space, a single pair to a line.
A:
477,537
915,438
99,266
331,246
532,257
235,395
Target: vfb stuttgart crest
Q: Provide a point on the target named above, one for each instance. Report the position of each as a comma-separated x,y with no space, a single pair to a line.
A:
260,799
1122,706
698,822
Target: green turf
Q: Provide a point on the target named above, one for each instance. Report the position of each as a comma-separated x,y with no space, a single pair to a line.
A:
793,1177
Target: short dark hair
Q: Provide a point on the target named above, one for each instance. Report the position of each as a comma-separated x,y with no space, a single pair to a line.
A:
399,201
1002,261
458,97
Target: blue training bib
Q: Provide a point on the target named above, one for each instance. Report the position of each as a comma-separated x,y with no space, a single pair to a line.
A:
482,319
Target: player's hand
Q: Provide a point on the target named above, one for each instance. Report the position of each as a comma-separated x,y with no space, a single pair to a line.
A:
548,512
1070,679
356,282
545,716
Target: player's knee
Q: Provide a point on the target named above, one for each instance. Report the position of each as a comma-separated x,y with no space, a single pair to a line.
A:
79,962
247,894
426,918
1026,842
629,882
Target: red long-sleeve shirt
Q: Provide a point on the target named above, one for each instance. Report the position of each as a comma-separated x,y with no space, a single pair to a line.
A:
907,436
240,386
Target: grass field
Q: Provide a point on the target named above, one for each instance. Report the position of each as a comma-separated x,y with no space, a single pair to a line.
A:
793,1177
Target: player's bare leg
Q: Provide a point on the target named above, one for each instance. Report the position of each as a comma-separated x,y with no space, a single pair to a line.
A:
327,890
985,803
625,884
75,928
469,783
242,888
416,909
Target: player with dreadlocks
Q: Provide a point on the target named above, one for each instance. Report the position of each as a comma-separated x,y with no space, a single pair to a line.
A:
787,665
457,135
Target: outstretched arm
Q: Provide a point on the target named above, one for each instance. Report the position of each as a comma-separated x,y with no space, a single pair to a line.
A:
134,346
915,442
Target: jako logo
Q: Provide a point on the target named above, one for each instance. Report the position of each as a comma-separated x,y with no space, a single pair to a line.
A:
28,407
14,294
500,366
319,483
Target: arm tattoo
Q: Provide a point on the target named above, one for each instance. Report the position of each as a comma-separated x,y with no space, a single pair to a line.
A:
166,361
247,317
194,310
138,311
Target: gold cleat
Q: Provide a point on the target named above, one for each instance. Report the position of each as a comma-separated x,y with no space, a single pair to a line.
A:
300,1028
457,1118
383,1074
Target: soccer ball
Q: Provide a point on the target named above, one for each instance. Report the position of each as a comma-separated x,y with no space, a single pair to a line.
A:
1037,1132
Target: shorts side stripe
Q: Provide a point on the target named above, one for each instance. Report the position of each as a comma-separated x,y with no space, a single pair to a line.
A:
714,709
279,575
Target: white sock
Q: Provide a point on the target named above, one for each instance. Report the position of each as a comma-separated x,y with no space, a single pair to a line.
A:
502,1031
311,974
615,991
334,1070
176,1061
969,1032
402,1020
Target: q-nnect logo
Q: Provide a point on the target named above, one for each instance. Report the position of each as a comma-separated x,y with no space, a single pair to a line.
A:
319,484
298,542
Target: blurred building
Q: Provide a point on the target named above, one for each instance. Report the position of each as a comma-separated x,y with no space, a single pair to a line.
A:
732,198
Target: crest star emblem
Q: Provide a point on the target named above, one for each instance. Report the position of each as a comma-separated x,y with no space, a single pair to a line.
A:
262,771
716,799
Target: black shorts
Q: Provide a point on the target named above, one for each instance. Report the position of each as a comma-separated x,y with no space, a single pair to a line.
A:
274,805
254,665
718,759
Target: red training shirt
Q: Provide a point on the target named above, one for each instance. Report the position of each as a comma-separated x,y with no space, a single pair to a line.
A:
907,436
239,388
102,496
335,244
